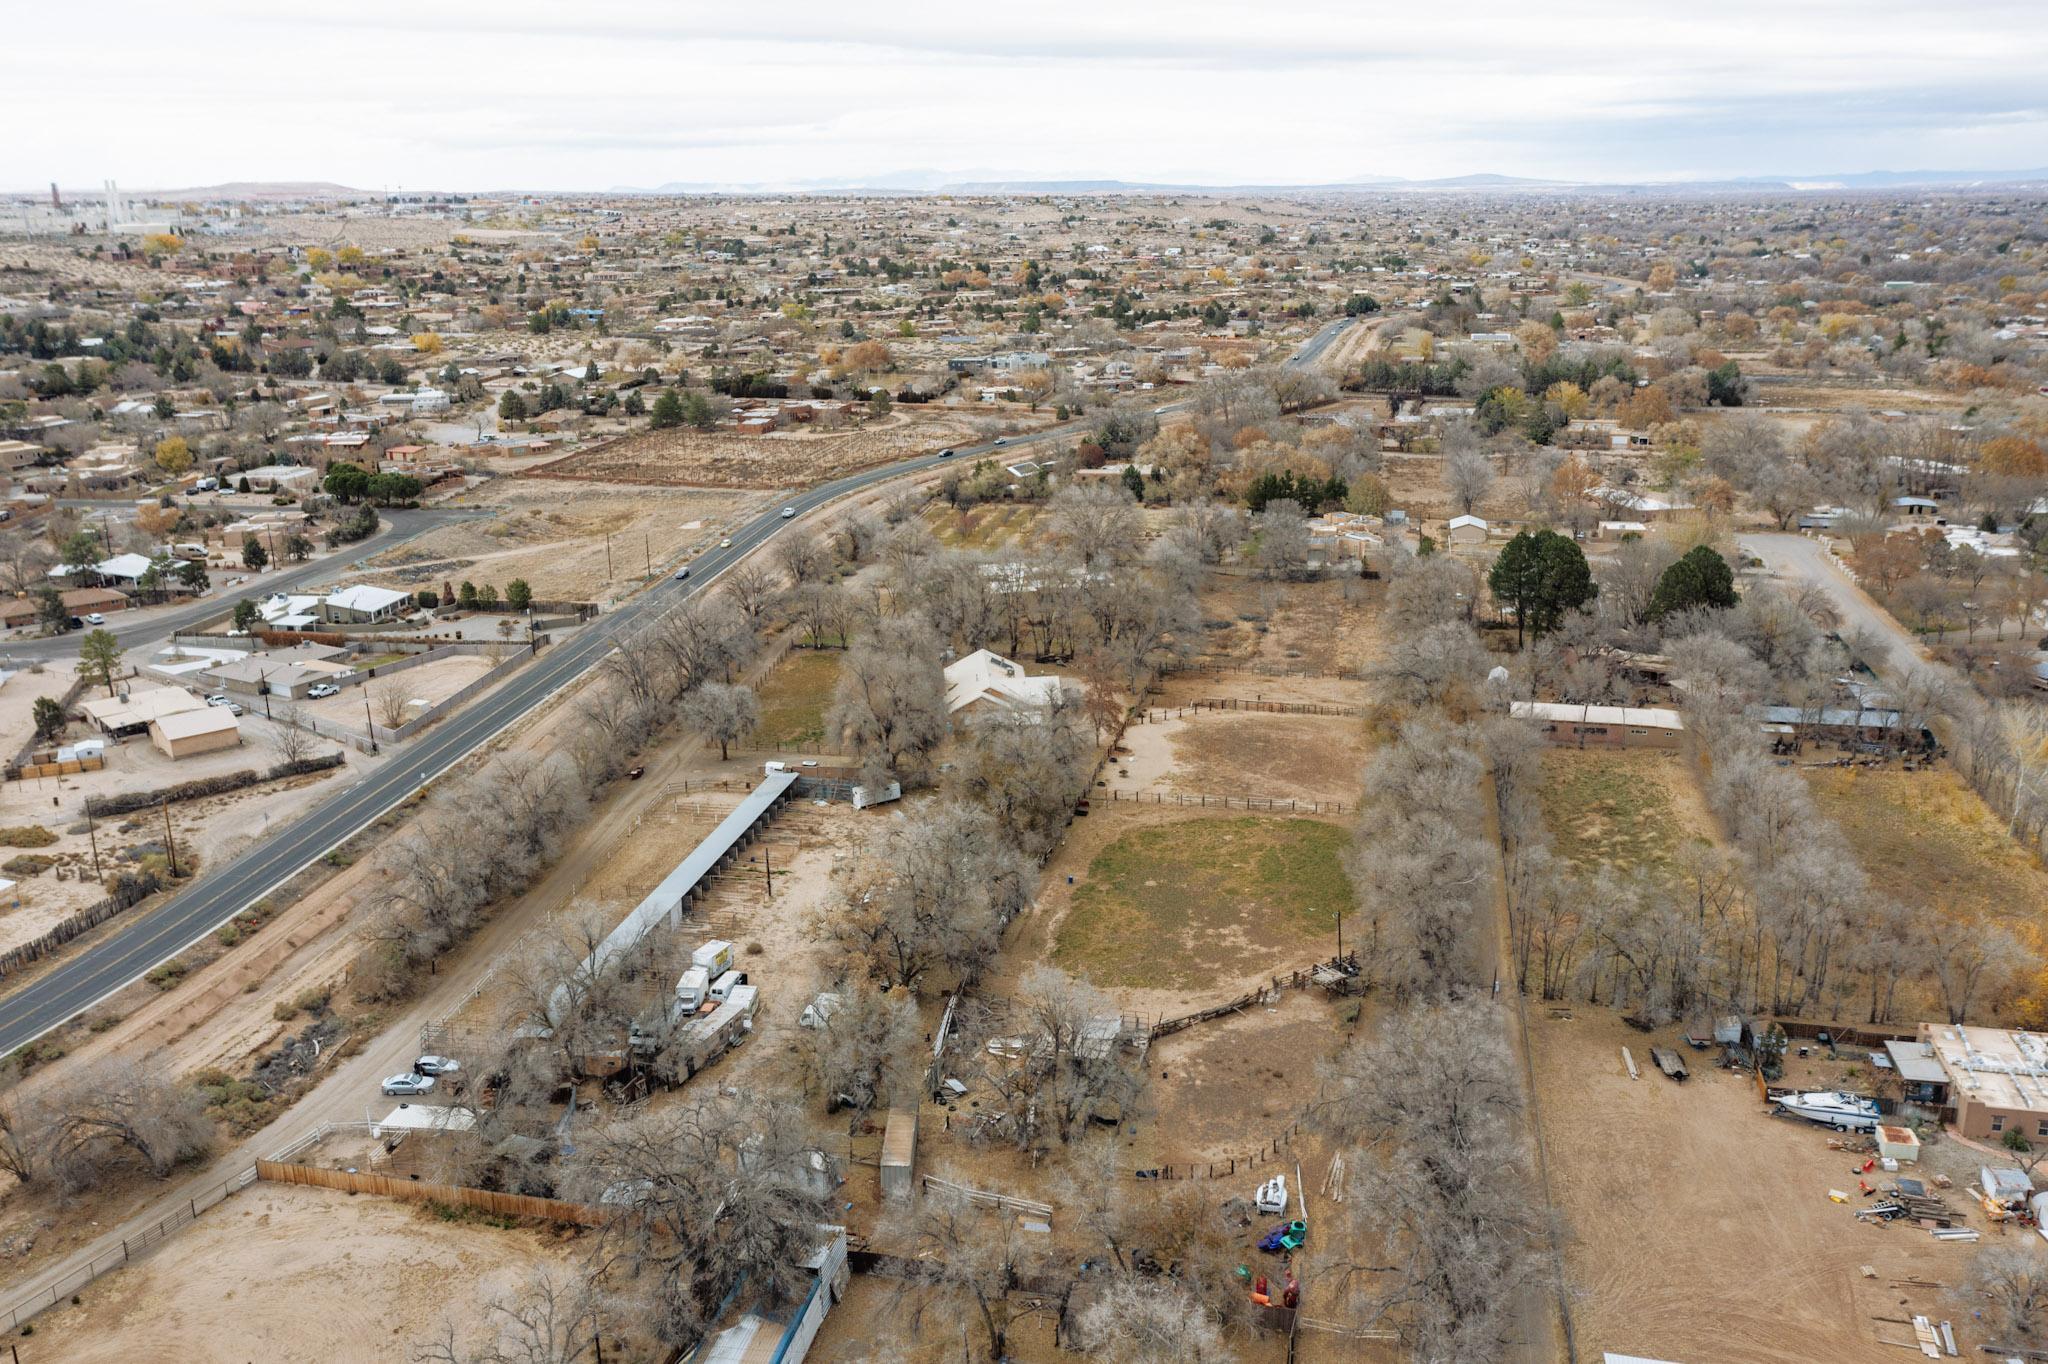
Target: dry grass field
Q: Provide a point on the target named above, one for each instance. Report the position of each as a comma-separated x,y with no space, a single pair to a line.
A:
553,535
1622,809
794,696
1196,901
992,525
1927,834
723,459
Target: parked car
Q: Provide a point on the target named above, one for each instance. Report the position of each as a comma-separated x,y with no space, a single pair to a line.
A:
408,1085
436,1065
788,512
95,618
219,698
322,690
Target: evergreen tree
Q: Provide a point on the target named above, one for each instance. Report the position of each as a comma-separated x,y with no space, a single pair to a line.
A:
1700,580
668,411
1540,575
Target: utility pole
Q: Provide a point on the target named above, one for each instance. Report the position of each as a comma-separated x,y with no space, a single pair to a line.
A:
607,556
371,726
647,543
170,839
92,833
768,870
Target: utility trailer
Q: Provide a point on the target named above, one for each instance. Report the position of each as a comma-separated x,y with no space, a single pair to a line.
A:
1670,1062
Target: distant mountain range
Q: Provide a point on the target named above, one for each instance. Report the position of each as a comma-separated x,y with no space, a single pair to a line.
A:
982,181
937,182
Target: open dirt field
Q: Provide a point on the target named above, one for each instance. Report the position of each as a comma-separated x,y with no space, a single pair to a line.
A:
1243,753
1323,627
1221,1089
299,1276
427,685
723,459
1195,901
553,535
1698,1229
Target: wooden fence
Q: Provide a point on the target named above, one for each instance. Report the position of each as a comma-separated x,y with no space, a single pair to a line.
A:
68,768
82,922
1345,968
1269,804
1228,1166
488,1200
983,1198
1265,707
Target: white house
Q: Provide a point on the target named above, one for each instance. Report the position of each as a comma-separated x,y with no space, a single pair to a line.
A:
125,569
363,605
1465,530
991,682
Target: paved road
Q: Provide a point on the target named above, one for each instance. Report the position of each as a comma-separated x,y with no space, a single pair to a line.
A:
139,627
140,944
1798,559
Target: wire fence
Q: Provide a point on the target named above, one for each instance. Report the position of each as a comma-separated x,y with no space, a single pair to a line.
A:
1269,804
131,1246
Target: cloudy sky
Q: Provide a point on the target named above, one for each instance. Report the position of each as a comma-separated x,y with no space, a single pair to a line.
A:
429,94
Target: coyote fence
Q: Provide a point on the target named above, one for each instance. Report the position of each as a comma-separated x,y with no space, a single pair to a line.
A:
1269,804
489,1200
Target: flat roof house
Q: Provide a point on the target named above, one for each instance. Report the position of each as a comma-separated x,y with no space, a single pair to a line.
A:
133,713
1584,726
1998,1079
363,605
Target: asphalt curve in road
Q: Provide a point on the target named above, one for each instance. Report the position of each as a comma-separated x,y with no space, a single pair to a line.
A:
155,937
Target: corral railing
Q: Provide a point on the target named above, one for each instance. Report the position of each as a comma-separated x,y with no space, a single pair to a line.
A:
106,1262
1268,804
420,1191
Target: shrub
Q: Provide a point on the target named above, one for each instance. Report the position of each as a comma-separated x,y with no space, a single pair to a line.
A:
169,974
27,836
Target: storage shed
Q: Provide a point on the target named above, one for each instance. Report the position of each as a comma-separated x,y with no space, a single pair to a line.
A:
899,1152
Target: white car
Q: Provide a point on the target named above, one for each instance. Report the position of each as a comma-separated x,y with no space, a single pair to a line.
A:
725,544
436,1065
219,698
788,512
682,573
95,618
323,690
1002,440
408,1085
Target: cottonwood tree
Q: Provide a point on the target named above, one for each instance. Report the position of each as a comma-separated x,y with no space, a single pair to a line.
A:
1148,1320
291,734
802,556
1096,522
2010,1282
1440,1186
723,713
867,1050
80,1128
753,588
710,1194
554,1318
1424,668
889,705
972,1258
1280,538
1072,1067
1469,476
929,896
1027,769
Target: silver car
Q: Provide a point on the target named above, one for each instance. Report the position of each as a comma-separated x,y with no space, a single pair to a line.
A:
408,1086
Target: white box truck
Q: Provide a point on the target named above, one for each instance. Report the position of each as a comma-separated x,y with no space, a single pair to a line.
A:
722,988
714,958
693,989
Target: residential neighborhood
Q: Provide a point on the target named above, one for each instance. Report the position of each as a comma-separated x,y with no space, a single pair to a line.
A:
634,734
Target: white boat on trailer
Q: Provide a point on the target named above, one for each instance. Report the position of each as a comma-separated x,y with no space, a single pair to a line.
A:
1832,1108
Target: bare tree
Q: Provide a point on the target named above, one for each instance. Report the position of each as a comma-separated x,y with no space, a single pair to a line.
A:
2010,1282
1097,522
1280,538
292,735
1469,476
802,556
553,1319
391,703
714,1194
866,1051
972,1257
723,713
928,896
106,1109
753,588
1149,1321
889,705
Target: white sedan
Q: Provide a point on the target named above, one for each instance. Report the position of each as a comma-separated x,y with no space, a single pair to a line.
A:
436,1065
408,1086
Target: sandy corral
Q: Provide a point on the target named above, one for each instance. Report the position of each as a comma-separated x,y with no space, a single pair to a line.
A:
784,459
293,1275
1239,754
